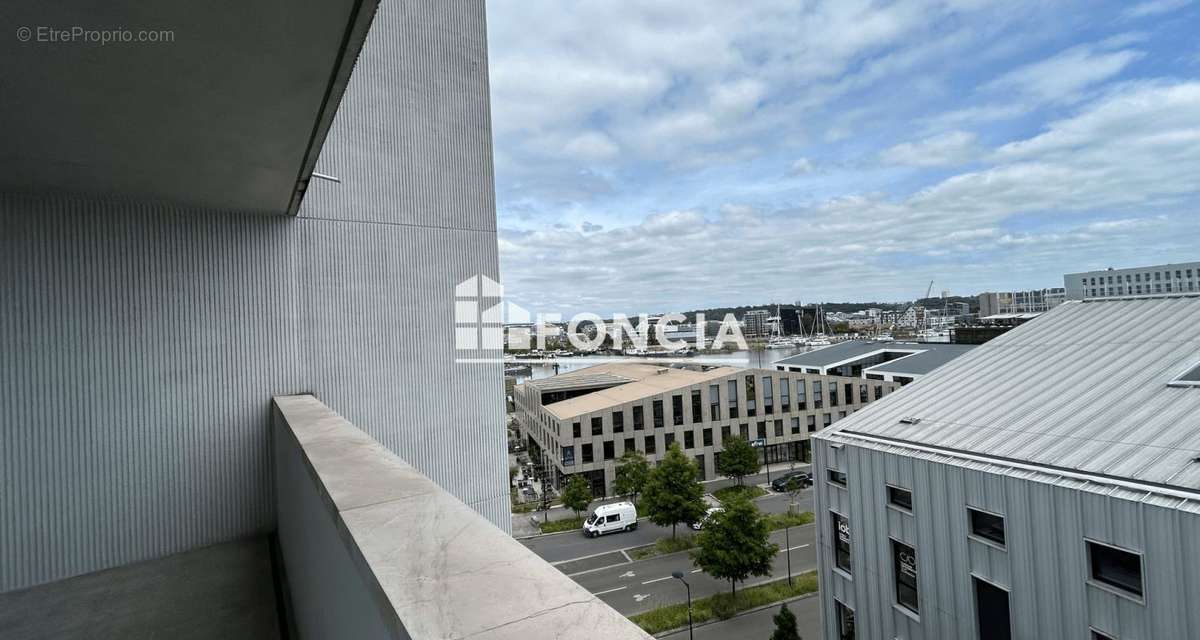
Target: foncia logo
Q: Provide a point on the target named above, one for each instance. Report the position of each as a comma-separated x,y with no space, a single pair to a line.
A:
479,315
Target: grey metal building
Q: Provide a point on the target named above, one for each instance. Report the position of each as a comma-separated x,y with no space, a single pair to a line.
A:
901,362
1135,281
1044,485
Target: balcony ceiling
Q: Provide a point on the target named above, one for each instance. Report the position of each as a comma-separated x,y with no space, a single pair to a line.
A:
229,115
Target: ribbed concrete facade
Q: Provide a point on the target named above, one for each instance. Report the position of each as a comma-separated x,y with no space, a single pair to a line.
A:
141,343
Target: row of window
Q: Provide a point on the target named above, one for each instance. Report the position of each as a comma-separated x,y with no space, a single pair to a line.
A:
1113,568
1137,289
1137,277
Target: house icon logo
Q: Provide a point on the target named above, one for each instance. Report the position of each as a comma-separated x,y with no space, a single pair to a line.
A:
479,316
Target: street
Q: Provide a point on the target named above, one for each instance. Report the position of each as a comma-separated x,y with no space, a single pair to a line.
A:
758,625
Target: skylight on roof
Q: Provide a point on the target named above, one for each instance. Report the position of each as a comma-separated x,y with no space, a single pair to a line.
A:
1190,378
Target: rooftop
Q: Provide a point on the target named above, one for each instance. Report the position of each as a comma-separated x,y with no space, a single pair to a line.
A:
1085,388
920,357
639,381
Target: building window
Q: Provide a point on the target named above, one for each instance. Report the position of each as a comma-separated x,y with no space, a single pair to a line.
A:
826,420
900,497
650,445
812,424
609,450
785,395
862,394
725,431
668,440
751,397
689,439
576,430
744,430
733,399
904,566
795,425
988,526
761,430
639,418
841,541
697,407
768,396
676,410
837,477
833,394
587,454
714,402
629,444
597,426
878,391
801,401
779,428
991,609
708,441
618,418
568,456
849,393
657,413
817,394
1115,567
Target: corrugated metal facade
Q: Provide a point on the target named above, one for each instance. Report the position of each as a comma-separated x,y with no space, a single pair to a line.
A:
1044,564
1068,428
140,344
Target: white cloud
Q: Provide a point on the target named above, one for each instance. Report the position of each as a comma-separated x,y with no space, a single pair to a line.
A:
1154,7
592,145
950,148
1063,76
800,167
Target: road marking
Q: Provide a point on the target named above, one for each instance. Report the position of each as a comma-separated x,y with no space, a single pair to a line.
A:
627,558
657,579
697,570
627,574
793,548
638,597
600,593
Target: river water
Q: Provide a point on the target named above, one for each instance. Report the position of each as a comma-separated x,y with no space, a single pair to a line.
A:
757,359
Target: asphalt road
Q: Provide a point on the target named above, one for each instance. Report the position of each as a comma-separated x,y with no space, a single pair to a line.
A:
569,546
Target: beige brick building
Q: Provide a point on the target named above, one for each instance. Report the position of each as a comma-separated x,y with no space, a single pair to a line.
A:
585,420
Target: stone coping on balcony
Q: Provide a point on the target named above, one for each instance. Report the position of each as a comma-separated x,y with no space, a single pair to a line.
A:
443,569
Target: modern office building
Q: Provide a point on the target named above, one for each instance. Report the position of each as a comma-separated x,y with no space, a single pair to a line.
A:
200,237
900,362
1020,302
583,421
1044,485
1158,279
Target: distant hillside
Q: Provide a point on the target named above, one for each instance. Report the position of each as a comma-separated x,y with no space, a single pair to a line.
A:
717,313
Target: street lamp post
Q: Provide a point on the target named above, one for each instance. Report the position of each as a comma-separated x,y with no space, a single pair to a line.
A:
787,541
678,575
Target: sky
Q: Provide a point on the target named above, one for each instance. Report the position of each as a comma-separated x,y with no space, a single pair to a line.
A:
667,156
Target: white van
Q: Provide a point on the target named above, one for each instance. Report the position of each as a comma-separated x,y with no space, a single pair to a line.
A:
619,516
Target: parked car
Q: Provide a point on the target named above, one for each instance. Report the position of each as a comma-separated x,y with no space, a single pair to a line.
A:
607,518
709,514
780,484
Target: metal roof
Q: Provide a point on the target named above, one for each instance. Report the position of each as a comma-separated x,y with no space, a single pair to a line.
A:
926,356
1084,387
640,381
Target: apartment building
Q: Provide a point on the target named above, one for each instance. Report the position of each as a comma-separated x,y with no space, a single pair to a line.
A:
899,362
583,421
756,324
1033,301
228,268
1137,281
1039,486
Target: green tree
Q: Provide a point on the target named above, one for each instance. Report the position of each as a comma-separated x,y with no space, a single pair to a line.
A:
672,493
577,495
735,544
785,625
632,472
739,459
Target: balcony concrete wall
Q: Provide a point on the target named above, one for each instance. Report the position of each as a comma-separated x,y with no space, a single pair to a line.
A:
141,342
373,549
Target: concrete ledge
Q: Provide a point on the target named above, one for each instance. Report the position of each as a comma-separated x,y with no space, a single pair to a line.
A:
431,566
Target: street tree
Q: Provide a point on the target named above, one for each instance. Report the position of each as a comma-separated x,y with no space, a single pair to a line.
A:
672,493
735,543
632,472
739,459
577,495
785,625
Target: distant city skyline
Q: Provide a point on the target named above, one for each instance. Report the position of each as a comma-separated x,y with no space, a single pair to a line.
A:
653,157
